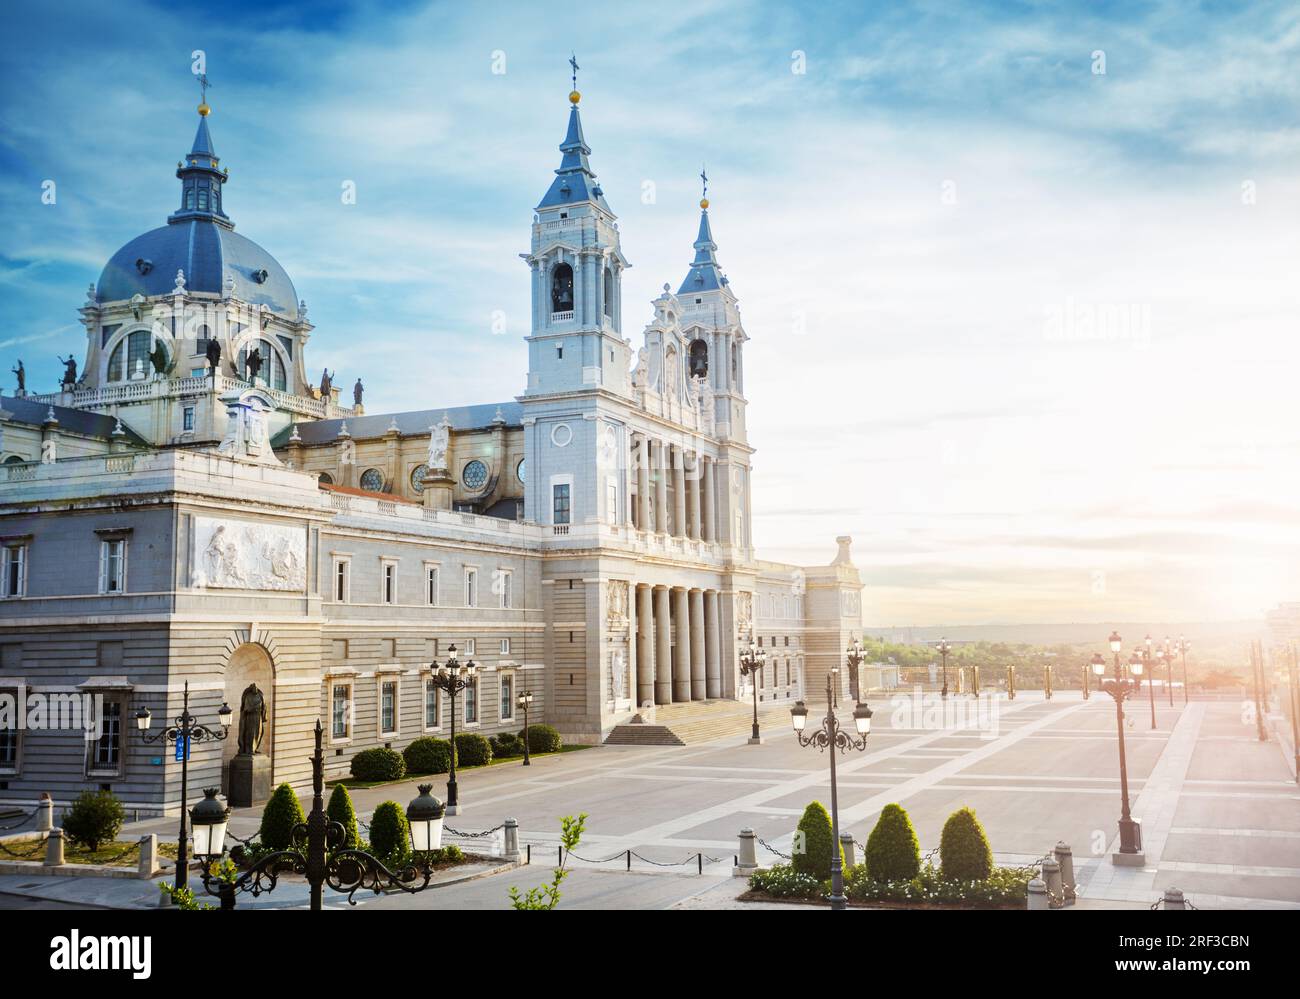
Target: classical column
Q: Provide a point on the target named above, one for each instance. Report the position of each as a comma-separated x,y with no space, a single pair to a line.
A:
699,689
643,483
696,471
679,492
712,645
659,472
663,648
645,663
709,527
682,659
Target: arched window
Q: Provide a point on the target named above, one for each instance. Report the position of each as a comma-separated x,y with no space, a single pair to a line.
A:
609,292
326,479
699,359
203,199
562,288
189,197
130,358
272,372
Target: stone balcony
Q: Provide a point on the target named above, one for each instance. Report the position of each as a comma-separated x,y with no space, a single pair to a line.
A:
147,389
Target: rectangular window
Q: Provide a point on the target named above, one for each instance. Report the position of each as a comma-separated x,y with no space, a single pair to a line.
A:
431,585
187,418
471,647
507,696
112,566
10,735
341,580
611,500
560,506
505,646
198,372
388,707
14,581
505,584
390,583
341,711
432,705
471,703
105,752
471,587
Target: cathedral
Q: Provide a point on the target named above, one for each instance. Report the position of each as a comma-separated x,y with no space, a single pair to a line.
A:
188,510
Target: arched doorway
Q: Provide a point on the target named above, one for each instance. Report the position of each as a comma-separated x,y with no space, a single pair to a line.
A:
250,663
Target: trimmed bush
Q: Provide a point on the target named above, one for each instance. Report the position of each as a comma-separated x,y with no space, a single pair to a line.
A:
95,818
472,750
964,853
542,738
427,755
340,810
390,834
506,744
893,853
378,764
280,815
815,861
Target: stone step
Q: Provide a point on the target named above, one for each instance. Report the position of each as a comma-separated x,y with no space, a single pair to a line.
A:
696,722
642,735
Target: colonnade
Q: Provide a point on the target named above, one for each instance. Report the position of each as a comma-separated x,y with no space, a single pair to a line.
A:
678,644
691,476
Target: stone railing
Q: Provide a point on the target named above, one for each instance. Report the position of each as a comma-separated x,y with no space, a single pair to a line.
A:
143,390
561,317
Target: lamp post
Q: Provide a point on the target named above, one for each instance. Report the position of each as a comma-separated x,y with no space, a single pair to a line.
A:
319,852
1120,688
1181,648
1169,668
829,734
752,660
525,702
943,649
183,734
452,678
1151,676
1293,701
854,657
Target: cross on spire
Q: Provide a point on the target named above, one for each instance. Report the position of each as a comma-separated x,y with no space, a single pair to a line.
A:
704,176
573,62
203,87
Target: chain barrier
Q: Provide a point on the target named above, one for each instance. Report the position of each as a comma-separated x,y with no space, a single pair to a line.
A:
21,822
474,835
40,846
125,853
699,859
771,849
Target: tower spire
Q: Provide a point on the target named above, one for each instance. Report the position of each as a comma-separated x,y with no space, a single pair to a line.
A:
574,181
200,174
705,273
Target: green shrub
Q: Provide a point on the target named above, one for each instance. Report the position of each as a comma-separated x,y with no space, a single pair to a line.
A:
964,853
893,853
542,738
815,860
378,764
472,750
280,815
95,818
505,744
340,810
390,834
784,881
427,755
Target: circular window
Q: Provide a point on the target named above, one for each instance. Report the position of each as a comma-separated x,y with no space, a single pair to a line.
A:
561,434
474,475
372,480
417,477
519,470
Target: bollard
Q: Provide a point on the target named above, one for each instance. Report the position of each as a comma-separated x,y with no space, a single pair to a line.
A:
1037,894
1052,878
510,849
148,855
54,848
747,862
846,844
1174,899
45,813
1065,857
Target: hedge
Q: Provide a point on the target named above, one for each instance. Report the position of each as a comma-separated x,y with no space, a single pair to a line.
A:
340,810
390,834
280,815
506,744
815,860
893,853
472,750
95,818
378,764
542,738
427,755
964,853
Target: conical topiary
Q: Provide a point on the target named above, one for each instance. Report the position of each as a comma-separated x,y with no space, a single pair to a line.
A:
815,859
280,815
340,810
390,833
893,853
964,852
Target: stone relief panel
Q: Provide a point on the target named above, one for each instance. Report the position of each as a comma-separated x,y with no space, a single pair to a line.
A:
243,555
616,604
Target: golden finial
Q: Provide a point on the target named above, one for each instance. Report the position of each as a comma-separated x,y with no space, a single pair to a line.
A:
704,194
204,110
574,96
704,203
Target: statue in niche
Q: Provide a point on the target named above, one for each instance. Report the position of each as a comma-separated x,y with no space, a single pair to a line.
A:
669,386
252,720
642,370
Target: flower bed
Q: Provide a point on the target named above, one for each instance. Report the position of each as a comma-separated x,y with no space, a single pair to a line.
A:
1005,888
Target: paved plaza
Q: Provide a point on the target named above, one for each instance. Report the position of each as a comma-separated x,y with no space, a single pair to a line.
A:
1220,810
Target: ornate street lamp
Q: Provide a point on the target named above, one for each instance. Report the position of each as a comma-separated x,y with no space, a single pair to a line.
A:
183,733
525,701
829,734
1151,676
1181,648
319,852
452,678
854,657
1120,688
943,649
752,660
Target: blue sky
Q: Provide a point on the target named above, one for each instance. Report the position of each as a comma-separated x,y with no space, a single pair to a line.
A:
1022,328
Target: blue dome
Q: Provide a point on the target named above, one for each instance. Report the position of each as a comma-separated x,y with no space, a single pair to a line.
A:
207,253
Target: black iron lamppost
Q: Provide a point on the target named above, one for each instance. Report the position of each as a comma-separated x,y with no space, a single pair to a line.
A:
525,702
943,649
1181,648
752,661
1151,678
829,734
1121,687
1169,669
452,679
855,657
320,852
183,734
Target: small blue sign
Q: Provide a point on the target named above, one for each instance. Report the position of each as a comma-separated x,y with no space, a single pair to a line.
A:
182,748
155,761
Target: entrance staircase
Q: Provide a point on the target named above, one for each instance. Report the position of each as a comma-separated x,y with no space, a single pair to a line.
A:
700,721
